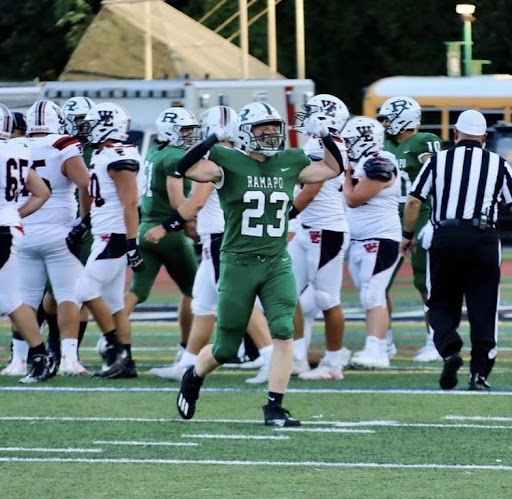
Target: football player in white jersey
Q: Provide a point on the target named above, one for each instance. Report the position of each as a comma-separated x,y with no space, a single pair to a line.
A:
318,248
204,202
15,176
74,111
372,192
57,158
114,217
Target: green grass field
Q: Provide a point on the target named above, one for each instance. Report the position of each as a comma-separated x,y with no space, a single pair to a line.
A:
375,434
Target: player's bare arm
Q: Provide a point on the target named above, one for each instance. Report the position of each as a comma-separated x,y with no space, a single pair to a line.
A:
39,194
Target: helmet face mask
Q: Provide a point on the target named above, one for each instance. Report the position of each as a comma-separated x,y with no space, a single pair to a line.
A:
106,121
44,116
328,108
74,110
363,137
178,127
263,119
399,114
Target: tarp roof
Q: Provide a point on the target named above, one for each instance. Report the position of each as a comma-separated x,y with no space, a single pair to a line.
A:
113,47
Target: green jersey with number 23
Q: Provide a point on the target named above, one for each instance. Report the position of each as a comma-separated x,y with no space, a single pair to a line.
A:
256,197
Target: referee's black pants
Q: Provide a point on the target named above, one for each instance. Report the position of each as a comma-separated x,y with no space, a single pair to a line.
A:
464,262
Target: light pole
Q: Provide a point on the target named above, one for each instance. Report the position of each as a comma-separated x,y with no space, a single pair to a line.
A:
466,10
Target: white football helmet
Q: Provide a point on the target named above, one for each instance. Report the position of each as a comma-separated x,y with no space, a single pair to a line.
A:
44,116
216,118
255,114
177,126
363,137
398,114
6,122
76,107
328,108
106,121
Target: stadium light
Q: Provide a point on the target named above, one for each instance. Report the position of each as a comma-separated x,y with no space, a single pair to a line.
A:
466,10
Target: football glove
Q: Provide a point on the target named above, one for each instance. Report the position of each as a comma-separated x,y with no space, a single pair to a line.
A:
314,126
77,233
135,261
227,134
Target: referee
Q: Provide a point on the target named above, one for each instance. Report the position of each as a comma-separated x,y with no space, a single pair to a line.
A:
466,183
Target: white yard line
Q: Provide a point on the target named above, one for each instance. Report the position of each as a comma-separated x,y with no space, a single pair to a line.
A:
234,437
316,464
145,444
316,391
479,418
337,426
47,449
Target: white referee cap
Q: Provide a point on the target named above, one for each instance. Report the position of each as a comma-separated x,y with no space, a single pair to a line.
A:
471,122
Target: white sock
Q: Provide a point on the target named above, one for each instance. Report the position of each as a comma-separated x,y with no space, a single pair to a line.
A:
19,350
69,348
299,349
383,346
389,336
333,357
266,353
188,359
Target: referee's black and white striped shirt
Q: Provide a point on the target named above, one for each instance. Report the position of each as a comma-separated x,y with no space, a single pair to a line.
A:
464,182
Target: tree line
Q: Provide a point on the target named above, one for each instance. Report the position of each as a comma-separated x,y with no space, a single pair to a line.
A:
349,43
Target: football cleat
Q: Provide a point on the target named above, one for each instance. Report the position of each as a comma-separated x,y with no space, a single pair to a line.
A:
428,353
189,393
172,373
323,371
16,367
114,360
72,367
300,366
278,416
39,369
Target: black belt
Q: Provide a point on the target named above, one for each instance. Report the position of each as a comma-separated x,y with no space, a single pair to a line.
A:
465,222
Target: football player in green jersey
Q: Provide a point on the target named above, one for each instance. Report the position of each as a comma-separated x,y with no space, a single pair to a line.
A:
255,187
178,130
401,117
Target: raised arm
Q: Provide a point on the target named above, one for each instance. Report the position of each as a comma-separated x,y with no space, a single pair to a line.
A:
332,163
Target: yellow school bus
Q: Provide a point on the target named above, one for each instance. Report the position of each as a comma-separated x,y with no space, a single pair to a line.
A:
442,98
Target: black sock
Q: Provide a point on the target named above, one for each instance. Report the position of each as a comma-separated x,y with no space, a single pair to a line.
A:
250,348
53,334
41,314
16,335
38,350
275,399
111,337
81,331
128,349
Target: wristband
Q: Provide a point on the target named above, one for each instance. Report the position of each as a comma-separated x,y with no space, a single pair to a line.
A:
131,244
293,212
333,149
407,235
174,223
194,155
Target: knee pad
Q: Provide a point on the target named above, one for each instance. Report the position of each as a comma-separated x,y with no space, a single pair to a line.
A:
325,301
307,300
202,308
372,298
88,289
282,328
